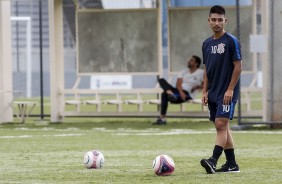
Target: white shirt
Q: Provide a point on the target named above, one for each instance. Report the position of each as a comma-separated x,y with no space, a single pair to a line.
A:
191,80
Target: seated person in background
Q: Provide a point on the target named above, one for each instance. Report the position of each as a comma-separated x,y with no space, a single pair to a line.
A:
189,82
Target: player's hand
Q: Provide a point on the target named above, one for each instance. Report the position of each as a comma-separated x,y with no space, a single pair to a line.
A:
228,95
205,99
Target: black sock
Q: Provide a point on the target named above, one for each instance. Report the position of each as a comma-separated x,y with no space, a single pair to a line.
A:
230,156
217,151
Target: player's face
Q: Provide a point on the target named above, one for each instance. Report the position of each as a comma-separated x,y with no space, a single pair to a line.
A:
191,63
217,22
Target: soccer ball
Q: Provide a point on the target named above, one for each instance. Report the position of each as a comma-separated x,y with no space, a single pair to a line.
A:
163,165
94,159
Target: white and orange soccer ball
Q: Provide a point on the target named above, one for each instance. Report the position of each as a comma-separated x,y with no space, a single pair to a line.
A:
163,165
94,159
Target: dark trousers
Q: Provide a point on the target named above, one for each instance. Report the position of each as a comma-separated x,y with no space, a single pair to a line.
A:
164,98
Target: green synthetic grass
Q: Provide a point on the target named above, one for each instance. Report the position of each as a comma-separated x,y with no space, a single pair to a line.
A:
40,152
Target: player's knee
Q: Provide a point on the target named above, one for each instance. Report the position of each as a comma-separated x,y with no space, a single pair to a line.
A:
221,125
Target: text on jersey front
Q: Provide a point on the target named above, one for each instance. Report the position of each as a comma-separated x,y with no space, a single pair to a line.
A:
218,49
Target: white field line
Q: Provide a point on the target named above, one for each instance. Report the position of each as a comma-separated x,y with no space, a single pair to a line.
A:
63,135
191,132
30,136
133,132
156,131
48,129
12,137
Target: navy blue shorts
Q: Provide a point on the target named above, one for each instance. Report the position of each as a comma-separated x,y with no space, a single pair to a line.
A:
218,110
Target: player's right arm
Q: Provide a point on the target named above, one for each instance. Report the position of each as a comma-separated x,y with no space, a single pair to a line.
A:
205,87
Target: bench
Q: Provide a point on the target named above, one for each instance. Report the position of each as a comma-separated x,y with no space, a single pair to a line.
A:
192,101
118,98
25,108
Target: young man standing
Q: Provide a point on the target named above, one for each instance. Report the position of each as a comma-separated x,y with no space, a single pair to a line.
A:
222,68
189,81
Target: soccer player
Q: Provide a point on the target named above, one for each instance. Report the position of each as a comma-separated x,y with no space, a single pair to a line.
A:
189,81
222,69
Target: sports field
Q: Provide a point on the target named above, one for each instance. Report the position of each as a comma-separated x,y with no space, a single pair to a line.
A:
39,152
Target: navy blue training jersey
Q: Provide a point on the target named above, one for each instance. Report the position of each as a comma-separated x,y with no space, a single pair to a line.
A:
218,57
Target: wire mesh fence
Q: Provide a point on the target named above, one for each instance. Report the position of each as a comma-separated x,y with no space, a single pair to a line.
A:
257,88
255,22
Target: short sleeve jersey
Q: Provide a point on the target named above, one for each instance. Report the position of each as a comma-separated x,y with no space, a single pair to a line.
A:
191,80
218,57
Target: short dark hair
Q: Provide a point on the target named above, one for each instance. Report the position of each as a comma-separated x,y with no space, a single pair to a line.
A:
198,60
217,9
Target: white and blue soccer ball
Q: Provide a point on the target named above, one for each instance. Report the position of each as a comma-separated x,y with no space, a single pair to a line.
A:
94,159
163,165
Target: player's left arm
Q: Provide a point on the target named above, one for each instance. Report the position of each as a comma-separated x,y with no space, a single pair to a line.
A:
180,89
234,79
